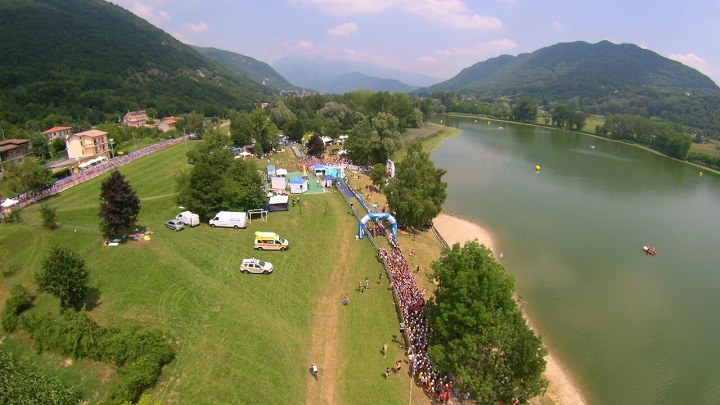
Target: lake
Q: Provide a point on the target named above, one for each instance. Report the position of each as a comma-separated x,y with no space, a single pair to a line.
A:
629,327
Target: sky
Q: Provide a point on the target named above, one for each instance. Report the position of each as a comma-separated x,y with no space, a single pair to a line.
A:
437,38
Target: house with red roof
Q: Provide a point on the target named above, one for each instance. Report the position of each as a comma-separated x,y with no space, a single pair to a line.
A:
135,118
57,132
167,124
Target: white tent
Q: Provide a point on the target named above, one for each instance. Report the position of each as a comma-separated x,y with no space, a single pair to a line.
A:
277,183
9,203
298,185
281,172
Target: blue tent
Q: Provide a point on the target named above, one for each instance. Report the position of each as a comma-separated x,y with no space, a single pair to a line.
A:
298,185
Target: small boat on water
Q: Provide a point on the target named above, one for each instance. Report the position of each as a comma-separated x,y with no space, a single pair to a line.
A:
649,250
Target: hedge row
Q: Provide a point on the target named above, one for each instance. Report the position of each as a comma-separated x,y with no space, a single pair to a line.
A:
21,386
140,353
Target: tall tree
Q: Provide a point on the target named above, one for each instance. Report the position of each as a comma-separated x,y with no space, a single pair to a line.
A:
315,146
417,192
192,123
39,145
27,177
63,275
217,181
119,205
374,139
294,129
525,110
378,175
280,115
479,333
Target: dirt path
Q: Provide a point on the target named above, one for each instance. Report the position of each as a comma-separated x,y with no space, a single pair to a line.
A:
325,338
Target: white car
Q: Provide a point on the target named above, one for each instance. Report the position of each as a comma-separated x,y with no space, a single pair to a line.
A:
255,266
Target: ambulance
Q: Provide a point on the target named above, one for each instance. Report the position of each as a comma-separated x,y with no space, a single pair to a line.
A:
269,241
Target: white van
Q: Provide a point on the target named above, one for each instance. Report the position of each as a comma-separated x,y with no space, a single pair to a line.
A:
230,219
188,218
269,241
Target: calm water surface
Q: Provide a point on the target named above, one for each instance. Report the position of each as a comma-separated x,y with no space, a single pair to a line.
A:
630,328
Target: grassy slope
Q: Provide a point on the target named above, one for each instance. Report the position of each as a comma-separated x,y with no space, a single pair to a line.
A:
239,338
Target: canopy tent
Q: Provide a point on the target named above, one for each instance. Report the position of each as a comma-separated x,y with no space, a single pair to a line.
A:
9,203
281,172
298,185
328,180
319,168
278,203
271,170
278,183
243,155
91,162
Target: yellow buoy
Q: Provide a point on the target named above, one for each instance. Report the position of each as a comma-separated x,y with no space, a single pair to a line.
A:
537,168
700,174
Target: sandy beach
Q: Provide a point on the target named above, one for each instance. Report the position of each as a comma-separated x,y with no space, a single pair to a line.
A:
561,389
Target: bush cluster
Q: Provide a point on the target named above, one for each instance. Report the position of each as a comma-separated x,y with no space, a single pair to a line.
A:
704,159
140,353
20,386
18,301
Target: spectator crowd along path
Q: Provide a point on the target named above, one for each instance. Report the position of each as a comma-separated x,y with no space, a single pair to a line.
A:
94,171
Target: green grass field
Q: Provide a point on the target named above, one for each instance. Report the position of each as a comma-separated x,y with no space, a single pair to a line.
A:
239,338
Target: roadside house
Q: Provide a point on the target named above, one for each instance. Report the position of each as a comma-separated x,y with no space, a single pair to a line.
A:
135,118
166,124
14,150
87,145
57,132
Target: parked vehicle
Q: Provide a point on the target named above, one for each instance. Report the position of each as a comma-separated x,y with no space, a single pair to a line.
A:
269,241
230,219
174,224
256,266
188,218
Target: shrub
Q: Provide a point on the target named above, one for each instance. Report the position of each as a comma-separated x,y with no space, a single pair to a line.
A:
18,301
20,386
139,353
49,217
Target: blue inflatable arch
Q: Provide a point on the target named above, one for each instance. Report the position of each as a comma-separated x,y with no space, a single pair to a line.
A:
377,215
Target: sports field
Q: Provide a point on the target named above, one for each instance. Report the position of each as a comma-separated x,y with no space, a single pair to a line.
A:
239,338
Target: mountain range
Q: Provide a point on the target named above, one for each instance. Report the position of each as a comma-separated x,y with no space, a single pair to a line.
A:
88,61
569,69
336,76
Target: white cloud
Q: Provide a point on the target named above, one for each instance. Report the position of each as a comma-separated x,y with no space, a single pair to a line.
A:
480,49
302,44
200,27
343,29
427,59
451,13
149,10
349,7
695,62
182,37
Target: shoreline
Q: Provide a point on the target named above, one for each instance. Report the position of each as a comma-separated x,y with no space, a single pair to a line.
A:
561,389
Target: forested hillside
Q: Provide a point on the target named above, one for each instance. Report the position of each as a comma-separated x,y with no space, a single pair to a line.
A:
602,78
254,69
66,61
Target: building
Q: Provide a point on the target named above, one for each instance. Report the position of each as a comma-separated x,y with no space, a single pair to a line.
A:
167,124
57,132
14,150
87,145
135,118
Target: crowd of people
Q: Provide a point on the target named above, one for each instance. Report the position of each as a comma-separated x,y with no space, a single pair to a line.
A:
411,301
93,171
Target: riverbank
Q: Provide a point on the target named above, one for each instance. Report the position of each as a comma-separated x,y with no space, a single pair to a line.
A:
561,388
